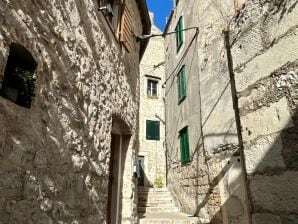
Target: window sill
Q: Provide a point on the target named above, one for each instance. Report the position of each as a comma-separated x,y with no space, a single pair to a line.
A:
185,163
153,97
152,140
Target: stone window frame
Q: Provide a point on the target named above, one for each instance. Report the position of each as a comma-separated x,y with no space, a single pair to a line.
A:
155,79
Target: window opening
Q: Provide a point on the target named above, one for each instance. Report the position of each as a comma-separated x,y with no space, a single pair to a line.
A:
179,34
152,130
152,88
181,82
19,82
184,145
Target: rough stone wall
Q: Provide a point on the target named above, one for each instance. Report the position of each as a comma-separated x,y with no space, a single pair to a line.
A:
226,199
152,64
264,50
54,156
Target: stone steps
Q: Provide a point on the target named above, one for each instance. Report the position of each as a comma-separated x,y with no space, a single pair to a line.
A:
156,206
168,218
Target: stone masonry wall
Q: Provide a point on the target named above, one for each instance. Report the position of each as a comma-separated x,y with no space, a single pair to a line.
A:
54,156
264,50
152,64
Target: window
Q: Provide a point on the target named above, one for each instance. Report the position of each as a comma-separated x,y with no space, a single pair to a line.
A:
181,82
152,88
179,34
108,6
19,81
184,145
177,1
152,130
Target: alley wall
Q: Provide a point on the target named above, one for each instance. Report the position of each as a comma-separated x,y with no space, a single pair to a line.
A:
153,108
265,56
54,157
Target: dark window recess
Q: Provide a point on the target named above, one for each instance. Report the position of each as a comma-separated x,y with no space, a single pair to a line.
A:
184,145
108,5
152,130
152,88
181,82
179,34
19,81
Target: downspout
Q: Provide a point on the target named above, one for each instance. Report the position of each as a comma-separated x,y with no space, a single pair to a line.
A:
226,33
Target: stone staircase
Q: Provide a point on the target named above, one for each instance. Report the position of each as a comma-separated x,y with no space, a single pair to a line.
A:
156,206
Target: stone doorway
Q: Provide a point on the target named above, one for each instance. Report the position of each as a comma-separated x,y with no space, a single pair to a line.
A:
120,138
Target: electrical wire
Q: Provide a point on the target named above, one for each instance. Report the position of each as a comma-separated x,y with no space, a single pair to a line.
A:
183,56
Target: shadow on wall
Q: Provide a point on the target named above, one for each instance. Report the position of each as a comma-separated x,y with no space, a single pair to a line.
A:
54,158
272,180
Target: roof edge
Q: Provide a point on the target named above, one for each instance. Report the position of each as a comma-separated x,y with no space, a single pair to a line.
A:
145,17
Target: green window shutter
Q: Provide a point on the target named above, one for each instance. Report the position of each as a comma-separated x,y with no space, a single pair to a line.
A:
148,130
157,130
181,84
184,146
179,34
152,130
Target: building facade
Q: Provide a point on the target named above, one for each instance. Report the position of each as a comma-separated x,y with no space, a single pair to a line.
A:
69,80
231,110
151,119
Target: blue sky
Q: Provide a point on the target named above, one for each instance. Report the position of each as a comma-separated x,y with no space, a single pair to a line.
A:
161,9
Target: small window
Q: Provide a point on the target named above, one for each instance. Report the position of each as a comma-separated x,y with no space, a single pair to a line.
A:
184,145
179,34
177,1
181,82
107,6
19,81
152,130
152,88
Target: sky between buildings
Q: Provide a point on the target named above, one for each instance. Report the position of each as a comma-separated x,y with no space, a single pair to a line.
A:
161,10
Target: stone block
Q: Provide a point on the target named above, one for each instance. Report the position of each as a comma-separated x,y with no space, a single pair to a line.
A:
265,153
266,120
264,64
276,193
259,218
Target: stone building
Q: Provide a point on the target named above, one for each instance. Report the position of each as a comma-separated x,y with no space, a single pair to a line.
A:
231,110
151,116
69,86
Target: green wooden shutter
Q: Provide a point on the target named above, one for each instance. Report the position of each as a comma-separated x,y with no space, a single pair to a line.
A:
148,130
152,130
183,82
184,146
179,34
157,130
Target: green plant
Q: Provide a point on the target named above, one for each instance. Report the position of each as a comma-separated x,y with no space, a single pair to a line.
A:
25,82
158,182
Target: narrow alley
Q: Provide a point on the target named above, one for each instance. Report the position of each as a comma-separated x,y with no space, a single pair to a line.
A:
149,112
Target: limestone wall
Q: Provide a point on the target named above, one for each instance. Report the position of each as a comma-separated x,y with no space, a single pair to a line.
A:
264,49
152,68
54,156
